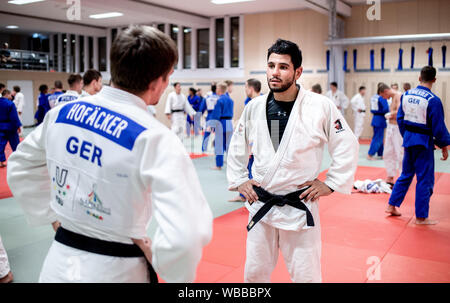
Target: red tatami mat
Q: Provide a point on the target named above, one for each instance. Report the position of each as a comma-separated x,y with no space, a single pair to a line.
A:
356,236
4,189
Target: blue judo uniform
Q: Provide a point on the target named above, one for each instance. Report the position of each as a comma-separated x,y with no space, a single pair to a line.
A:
379,107
9,125
222,116
421,122
53,97
209,104
43,108
195,102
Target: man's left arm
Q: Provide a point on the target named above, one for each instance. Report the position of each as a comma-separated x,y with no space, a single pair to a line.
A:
343,148
435,114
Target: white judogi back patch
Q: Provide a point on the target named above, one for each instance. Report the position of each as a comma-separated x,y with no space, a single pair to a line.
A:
374,103
415,109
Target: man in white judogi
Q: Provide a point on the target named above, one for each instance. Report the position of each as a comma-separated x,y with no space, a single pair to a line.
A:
103,166
393,149
287,149
176,106
359,111
338,97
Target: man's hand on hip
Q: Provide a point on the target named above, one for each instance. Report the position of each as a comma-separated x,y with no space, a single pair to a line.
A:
247,190
316,189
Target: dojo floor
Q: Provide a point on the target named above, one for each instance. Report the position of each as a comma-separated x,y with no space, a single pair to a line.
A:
357,235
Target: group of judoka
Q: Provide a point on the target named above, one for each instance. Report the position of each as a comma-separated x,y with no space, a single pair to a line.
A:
98,168
186,116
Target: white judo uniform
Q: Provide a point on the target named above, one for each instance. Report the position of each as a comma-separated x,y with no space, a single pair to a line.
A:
19,102
358,103
339,99
4,264
104,175
393,146
177,106
68,96
314,122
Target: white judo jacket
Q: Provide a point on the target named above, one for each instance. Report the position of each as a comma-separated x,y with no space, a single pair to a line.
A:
314,122
103,166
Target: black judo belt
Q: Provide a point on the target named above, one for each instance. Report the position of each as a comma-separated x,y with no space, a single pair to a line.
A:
270,200
177,110
418,130
102,247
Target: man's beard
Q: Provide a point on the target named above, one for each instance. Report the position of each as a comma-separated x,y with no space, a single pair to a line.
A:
283,88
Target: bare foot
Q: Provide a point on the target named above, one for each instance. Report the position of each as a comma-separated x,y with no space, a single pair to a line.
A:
425,221
8,278
369,157
2,164
216,168
392,210
237,199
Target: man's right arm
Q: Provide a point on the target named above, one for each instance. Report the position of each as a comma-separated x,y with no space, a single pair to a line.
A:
28,177
237,158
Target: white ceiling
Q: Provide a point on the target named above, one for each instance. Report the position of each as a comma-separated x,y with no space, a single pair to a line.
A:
206,8
41,16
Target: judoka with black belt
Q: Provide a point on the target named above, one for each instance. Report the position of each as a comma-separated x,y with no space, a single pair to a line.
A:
287,148
421,122
102,166
176,106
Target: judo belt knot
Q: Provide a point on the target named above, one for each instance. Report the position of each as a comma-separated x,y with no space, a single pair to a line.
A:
270,200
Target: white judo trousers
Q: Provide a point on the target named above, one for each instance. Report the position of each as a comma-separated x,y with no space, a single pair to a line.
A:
393,150
301,251
4,263
359,124
314,122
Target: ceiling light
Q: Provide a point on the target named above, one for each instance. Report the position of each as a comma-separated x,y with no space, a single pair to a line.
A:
21,2
12,26
106,15
229,1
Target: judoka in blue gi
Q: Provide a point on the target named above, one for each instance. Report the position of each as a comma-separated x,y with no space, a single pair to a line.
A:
210,103
43,105
422,125
195,102
9,125
379,107
252,90
222,116
58,91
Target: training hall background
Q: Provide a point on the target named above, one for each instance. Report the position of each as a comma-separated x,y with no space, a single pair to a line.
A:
234,47
230,42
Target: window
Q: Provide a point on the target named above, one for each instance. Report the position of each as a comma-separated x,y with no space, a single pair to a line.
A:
234,52
174,33
187,35
91,52
220,43
161,27
203,48
82,63
64,46
113,34
102,53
